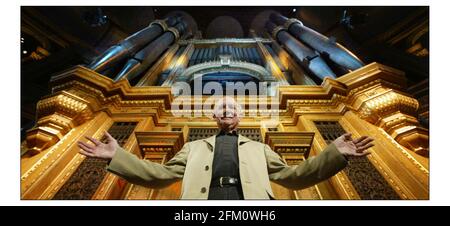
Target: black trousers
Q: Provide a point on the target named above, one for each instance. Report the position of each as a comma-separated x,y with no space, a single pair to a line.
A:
227,192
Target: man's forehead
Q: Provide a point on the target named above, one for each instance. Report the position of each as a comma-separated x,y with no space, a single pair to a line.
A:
226,101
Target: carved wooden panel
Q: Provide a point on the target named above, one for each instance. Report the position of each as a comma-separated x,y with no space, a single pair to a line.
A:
202,133
366,179
85,180
121,131
251,133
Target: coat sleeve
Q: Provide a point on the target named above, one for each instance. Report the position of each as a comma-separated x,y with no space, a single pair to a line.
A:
147,173
309,172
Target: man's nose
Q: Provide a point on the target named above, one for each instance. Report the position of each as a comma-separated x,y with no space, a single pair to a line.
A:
228,113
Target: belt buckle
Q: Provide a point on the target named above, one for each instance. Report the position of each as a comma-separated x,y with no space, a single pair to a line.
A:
221,182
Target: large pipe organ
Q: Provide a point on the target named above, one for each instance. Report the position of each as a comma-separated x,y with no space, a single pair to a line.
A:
129,92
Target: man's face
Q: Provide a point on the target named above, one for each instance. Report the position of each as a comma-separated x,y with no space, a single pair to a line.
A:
226,115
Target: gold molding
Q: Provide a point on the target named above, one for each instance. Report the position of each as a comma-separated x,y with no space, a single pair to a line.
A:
77,94
375,92
56,116
394,112
294,147
159,145
156,146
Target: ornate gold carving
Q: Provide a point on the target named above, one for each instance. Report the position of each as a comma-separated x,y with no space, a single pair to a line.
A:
392,182
54,158
159,146
348,188
57,115
156,147
361,90
366,179
408,155
32,170
105,90
394,112
369,182
292,146
84,182
87,174
379,102
375,93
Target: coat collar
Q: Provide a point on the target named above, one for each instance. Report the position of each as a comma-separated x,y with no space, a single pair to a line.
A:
243,139
212,140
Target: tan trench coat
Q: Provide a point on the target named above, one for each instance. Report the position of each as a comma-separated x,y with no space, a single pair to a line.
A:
258,164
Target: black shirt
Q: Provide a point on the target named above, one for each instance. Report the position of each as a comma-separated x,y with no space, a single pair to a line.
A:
226,164
226,161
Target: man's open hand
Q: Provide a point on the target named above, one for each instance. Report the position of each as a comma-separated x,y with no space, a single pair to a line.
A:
99,149
349,147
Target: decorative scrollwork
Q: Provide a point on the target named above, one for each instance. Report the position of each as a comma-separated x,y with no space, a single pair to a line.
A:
57,115
367,181
84,182
365,178
395,112
89,175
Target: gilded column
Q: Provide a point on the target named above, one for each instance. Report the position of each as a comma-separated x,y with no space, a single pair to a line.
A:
56,116
385,105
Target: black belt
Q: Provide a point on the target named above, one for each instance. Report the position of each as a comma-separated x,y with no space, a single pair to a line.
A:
221,181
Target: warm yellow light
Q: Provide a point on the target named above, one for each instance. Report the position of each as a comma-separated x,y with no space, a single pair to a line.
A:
180,60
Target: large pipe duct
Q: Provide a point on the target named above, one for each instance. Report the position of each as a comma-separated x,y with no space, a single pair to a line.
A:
145,57
303,54
336,52
131,44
